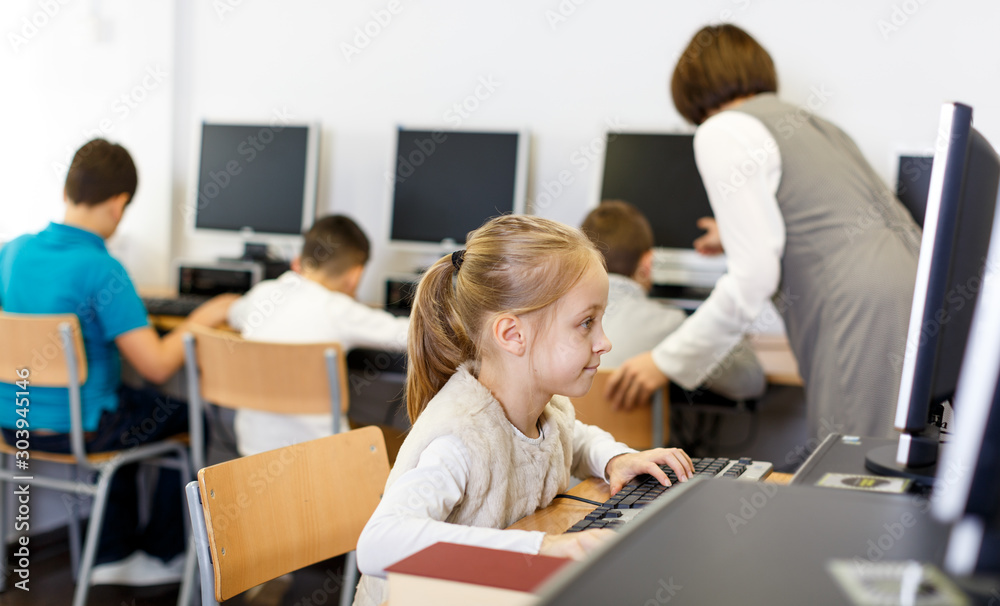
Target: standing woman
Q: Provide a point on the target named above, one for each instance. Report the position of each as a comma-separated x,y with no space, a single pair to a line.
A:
804,221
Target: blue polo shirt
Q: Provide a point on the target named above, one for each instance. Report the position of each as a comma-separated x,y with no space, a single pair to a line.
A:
65,269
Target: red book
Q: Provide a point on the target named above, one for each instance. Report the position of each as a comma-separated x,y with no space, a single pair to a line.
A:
447,573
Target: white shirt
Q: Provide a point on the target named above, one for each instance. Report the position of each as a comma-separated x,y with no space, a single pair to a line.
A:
411,514
740,165
292,309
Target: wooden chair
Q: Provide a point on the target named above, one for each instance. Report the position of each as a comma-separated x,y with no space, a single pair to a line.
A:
641,428
258,517
229,371
50,348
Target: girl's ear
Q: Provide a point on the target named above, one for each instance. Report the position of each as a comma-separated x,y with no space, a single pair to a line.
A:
509,334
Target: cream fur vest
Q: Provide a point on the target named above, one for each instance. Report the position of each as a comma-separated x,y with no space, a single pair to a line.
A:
509,476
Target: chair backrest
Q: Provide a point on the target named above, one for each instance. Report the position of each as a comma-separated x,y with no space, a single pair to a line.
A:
275,377
278,511
34,342
634,427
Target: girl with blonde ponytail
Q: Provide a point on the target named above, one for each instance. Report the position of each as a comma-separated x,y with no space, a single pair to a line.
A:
500,335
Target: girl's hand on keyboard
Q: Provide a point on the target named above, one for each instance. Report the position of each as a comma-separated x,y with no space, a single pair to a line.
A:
574,545
624,467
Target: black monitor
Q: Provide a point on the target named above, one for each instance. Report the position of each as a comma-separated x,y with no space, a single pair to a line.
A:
657,173
913,181
967,491
960,209
448,183
257,179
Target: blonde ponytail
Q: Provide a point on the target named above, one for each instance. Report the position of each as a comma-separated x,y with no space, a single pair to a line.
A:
437,342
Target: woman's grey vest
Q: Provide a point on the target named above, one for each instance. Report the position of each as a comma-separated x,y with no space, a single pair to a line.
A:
847,273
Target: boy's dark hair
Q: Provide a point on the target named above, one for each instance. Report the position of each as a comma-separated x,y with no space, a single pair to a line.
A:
720,64
621,233
335,244
100,170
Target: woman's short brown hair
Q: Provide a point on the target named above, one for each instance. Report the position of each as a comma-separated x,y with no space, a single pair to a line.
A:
100,170
720,64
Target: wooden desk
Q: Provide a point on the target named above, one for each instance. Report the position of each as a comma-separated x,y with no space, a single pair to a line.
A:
563,513
780,367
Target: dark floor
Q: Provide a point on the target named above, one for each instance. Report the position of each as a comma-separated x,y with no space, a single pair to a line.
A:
51,583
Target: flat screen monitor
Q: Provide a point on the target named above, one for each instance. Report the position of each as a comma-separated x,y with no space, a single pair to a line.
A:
448,183
960,209
657,174
967,491
257,179
913,181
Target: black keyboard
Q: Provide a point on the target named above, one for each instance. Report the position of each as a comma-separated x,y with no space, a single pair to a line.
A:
181,305
643,490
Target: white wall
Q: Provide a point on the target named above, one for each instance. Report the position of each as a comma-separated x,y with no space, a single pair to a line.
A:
566,80
72,71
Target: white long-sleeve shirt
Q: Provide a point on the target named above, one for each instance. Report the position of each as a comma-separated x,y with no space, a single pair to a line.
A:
740,165
403,524
292,309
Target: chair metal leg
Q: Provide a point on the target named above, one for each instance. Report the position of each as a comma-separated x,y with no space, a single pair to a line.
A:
350,579
189,584
72,504
93,535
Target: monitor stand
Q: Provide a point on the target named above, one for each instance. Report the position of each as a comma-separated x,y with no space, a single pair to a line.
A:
923,450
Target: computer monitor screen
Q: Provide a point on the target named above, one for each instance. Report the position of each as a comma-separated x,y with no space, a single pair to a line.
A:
657,174
967,491
448,183
960,209
913,180
257,178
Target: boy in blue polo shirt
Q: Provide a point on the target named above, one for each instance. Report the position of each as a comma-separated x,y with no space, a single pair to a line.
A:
66,268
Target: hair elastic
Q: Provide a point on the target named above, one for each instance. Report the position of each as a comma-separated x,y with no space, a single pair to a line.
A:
457,257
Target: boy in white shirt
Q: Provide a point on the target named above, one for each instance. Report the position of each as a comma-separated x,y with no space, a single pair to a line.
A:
313,303
634,322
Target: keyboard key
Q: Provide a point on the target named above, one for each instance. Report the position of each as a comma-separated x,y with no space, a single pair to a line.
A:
644,490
